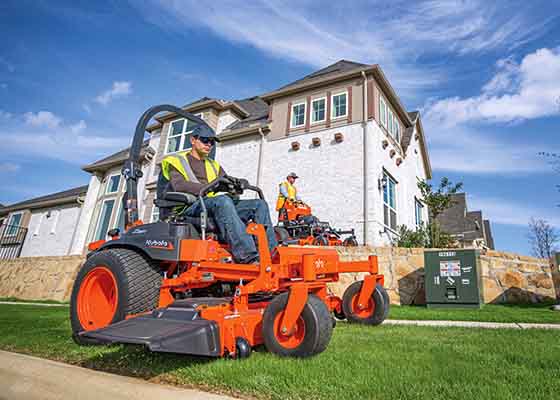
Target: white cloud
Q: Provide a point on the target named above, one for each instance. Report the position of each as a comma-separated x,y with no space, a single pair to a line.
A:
118,90
5,115
44,134
9,167
530,89
504,211
392,34
44,119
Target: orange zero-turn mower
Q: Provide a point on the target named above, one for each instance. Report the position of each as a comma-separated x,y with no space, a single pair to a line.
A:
297,225
172,286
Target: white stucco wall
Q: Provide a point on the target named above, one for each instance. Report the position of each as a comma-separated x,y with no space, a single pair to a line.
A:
50,231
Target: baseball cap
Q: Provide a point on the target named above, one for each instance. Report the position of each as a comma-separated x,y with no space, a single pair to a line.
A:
204,131
293,175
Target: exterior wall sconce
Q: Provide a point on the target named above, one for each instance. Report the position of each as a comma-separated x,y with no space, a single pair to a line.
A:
392,153
295,146
399,161
316,141
416,137
385,143
338,137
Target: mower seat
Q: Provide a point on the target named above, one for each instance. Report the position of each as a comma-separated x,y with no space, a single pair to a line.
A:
179,199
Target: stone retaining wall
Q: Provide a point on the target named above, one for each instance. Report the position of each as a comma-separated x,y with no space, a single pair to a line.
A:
39,278
506,277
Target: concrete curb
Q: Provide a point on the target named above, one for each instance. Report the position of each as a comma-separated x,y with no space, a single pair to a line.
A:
21,303
30,378
472,324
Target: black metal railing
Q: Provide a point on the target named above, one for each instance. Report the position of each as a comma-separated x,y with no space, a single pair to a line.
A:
11,240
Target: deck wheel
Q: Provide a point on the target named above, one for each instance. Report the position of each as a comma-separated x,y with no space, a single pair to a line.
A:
373,312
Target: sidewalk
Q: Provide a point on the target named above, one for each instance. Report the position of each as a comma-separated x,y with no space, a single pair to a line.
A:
437,323
30,378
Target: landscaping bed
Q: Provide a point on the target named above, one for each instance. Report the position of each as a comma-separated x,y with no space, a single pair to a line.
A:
384,362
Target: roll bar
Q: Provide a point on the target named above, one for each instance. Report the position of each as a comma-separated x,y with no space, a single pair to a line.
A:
132,169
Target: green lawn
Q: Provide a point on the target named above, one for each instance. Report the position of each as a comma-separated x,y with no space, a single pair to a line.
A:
15,299
386,362
537,313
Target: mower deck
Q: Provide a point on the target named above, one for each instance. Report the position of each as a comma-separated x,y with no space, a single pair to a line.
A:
174,329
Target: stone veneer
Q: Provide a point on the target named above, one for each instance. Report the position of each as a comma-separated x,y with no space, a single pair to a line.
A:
506,277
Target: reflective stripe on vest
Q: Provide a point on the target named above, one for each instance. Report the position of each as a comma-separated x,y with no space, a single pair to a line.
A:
181,163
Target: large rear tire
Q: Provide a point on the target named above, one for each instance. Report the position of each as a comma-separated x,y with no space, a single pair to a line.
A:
312,332
111,285
373,313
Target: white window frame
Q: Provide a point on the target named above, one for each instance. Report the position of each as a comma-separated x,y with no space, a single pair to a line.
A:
382,111
389,178
312,111
397,128
55,220
9,224
184,134
418,215
345,93
97,225
109,181
304,114
390,119
39,223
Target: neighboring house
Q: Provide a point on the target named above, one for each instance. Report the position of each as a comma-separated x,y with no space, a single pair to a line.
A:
342,129
43,226
467,227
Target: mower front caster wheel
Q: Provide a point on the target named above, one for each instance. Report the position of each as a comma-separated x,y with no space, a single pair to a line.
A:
310,335
242,348
372,313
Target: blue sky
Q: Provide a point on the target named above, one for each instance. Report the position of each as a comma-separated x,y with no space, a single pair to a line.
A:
75,76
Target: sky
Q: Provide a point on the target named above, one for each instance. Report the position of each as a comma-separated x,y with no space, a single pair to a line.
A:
76,75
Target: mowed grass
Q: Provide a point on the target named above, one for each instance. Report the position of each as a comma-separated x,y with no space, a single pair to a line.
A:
530,313
385,362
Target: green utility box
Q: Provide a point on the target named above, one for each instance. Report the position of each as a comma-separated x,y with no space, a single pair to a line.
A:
453,279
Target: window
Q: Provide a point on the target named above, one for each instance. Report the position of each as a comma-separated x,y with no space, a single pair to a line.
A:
397,129
113,184
390,121
419,208
339,105
178,138
120,219
14,223
104,219
155,214
389,202
382,111
298,115
318,107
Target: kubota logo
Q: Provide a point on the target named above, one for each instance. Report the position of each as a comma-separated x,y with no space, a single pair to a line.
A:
159,244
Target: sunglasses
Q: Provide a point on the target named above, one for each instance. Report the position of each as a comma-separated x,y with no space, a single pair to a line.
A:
206,140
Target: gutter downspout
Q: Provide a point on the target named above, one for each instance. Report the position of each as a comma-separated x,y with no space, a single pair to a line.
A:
365,160
259,165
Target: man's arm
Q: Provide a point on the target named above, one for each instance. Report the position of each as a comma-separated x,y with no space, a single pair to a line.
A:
284,191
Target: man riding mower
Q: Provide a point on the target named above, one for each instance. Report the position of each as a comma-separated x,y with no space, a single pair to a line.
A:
175,285
296,223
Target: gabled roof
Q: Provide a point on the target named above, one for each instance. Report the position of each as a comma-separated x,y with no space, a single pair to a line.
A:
332,70
115,159
468,225
258,110
66,196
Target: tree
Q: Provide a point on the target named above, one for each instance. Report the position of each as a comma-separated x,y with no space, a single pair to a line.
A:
438,201
542,237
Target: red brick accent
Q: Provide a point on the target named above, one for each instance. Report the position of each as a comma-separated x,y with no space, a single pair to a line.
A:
328,122
270,112
370,101
307,114
288,119
349,104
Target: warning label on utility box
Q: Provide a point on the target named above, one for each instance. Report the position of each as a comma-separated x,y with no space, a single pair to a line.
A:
450,268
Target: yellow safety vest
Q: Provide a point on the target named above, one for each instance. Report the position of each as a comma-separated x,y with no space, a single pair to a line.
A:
180,162
291,189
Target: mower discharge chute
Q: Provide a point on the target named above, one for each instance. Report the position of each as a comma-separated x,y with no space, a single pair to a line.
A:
297,224
172,286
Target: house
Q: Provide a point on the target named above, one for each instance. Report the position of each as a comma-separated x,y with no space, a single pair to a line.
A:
43,226
342,129
468,228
